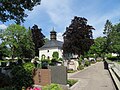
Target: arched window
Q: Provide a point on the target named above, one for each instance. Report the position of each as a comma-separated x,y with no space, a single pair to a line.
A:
43,57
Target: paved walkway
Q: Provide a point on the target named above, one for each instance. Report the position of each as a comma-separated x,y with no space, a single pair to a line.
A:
93,78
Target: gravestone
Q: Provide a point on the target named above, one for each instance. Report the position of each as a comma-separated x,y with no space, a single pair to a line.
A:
42,77
58,74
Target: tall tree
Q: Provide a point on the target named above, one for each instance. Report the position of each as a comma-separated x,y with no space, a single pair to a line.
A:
107,32
15,9
15,36
78,36
115,39
38,38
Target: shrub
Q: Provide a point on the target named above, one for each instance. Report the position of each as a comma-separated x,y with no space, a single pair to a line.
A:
98,60
71,82
87,63
71,71
112,58
4,80
80,67
8,88
22,75
52,87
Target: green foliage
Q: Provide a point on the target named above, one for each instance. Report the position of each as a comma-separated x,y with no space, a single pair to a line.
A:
112,32
97,49
87,63
60,59
113,58
80,67
115,39
16,37
28,67
55,55
22,75
80,60
8,88
78,37
71,82
4,80
15,10
52,87
4,51
70,71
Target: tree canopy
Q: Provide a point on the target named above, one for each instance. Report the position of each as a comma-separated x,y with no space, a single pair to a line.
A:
38,38
15,9
107,32
97,49
112,36
115,39
78,36
18,39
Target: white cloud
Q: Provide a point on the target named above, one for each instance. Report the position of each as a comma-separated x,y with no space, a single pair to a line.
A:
59,37
3,26
58,10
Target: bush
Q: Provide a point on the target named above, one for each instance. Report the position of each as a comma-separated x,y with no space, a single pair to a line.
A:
52,87
112,58
98,60
22,75
8,88
70,71
80,67
87,63
4,80
71,82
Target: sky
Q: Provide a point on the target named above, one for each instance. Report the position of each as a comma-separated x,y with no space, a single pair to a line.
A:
58,14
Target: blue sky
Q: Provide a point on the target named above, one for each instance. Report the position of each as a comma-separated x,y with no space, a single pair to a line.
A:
59,13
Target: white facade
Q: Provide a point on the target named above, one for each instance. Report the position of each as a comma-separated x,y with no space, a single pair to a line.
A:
48,52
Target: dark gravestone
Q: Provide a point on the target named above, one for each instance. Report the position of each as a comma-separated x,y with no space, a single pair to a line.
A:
58,74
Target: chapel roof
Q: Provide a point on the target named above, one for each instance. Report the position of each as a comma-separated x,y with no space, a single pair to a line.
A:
52,44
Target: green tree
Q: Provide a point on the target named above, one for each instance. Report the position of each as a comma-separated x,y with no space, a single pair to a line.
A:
15,9
38,38
27,45
18,39
107,32
55,55
97,49
115,39
78,37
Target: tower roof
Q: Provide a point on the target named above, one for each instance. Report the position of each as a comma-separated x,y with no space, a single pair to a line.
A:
52,43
